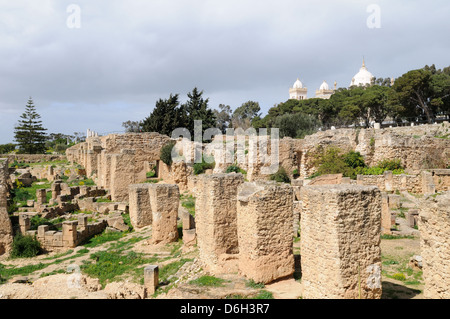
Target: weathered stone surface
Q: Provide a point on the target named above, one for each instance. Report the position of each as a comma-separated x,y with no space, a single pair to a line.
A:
164,201
328,179
434,225
216,220
139,207
122,174
340,242
264,220
6,232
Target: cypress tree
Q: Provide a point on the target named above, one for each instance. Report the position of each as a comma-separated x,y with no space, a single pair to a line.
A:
29,132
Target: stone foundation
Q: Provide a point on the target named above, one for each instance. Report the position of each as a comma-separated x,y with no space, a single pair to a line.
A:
140,208
216,221
340,242
164,201
434,226
264,220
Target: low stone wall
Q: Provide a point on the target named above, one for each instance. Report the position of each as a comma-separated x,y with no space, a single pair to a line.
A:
426,182
73,233
340,242
434,225
33,158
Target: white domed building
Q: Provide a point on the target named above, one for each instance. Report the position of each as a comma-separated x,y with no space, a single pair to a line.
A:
297,91
363,77
324,92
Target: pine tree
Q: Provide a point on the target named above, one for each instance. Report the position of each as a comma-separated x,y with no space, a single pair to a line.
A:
29,133
196,108
164,118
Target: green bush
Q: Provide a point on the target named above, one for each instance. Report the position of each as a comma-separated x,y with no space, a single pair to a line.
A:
233,168
280,176
25,247
391,165
200,168
166,153
332,161
354,159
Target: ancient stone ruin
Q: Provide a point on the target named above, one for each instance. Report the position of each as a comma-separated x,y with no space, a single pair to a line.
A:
245,224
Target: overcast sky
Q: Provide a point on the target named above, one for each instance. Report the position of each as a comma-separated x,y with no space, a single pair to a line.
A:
119,57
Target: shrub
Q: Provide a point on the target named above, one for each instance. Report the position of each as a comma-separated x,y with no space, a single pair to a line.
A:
399,276
200,168
25,247
332,161
354,159
391,165
280,176
166,153
233,168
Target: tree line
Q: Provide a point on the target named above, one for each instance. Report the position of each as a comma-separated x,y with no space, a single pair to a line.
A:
417,96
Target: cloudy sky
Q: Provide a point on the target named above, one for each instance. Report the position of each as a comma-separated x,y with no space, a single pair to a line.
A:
95,64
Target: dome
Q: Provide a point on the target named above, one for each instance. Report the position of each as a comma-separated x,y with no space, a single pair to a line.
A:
298,84
324,86
363,77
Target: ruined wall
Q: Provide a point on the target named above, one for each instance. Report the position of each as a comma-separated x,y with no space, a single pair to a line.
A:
418,147
101,156
6,232
264,223
434,225
140,208
33,158
216,220
73,233
343,223
164,202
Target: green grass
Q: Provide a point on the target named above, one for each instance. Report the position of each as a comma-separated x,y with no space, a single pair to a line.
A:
102,238
252,284
112,265
208,281
6,272
22,194
389,237
103,200
188,202
264,294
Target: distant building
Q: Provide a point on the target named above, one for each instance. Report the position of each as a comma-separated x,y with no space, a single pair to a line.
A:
324,91
297,91
362,78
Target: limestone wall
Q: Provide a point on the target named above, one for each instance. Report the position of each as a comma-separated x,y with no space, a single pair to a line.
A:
73,233
140,208
33,158
418,147
164,202
340,242
434,225
6,232
216,220
264,223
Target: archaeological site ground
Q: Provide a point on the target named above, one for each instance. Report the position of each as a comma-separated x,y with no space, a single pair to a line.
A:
112,219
